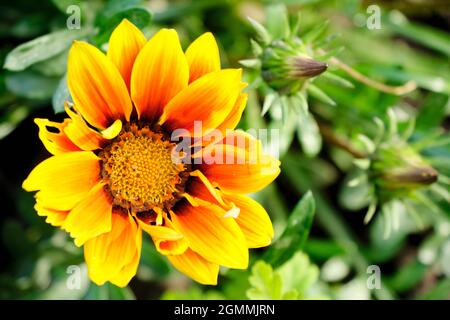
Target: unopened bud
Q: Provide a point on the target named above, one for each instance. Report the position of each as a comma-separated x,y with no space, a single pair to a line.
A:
303,67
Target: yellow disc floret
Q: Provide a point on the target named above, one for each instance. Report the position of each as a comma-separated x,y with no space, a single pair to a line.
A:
140,170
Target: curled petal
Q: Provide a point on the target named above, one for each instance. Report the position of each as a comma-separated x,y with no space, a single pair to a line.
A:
55,142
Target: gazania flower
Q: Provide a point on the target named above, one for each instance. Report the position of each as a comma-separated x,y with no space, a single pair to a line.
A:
112,172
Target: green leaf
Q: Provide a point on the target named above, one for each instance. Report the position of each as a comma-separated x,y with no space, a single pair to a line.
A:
266,284
425,35
277,21
31,85
117,10
12,118
42,48
293,280
298,275
295,234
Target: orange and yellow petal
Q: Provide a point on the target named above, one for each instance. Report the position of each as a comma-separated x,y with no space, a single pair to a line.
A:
233,118
210,99
81,134
91,217
196,267
238,165
203,56
64,180
96,86
114,256
55,142
215,237
125,43
54,217
159,73
253,220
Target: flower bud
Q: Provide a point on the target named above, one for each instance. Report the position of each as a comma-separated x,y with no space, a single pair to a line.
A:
398,169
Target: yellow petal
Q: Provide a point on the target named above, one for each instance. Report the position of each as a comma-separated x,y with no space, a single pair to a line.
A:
209,99
196,267
55,142
91,217
202,56
96,86
215,237
114,256
124,45
113,130
253,221
159,73
64,179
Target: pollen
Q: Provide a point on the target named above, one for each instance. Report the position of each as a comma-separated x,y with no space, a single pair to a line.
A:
141,170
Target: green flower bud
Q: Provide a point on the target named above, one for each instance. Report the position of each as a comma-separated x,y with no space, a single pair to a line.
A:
284,67
397,169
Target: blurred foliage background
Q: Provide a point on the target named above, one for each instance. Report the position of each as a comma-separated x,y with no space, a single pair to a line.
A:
352,149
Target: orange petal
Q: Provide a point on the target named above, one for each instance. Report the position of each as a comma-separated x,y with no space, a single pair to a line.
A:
65,179
216,238
54,217
55,143
114,256
203,56
81,134
209,99
196,267
91,217
124,45
159,73
96,86
253,219
238,164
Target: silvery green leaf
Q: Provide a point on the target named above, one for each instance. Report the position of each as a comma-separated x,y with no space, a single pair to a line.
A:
320,95
251,63
61,95
42,48
268,102
334,78
256,48
261,32
309,135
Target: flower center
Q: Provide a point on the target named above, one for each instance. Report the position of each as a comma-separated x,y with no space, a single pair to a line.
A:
139,170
